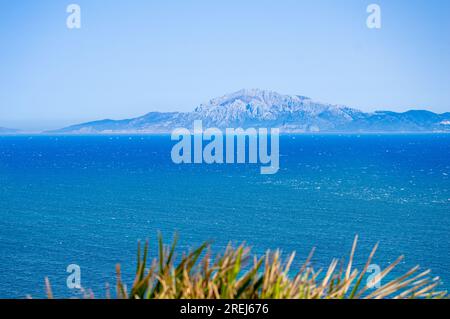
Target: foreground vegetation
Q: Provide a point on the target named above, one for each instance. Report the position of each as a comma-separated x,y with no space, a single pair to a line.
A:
235,274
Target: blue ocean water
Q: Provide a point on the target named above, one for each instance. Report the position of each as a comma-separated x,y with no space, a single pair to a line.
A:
87,200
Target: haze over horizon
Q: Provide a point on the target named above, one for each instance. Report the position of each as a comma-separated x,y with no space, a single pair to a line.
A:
135,57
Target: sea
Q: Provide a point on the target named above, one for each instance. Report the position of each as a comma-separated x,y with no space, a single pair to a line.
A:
88,200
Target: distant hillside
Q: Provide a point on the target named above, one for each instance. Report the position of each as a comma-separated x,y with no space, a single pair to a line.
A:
4,130
261,108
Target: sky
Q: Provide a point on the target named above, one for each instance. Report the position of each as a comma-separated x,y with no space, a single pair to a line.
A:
136,56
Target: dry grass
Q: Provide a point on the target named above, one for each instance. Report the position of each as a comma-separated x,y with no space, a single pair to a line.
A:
236,274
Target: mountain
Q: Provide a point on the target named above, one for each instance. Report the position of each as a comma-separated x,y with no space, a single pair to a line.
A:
4,130
261,108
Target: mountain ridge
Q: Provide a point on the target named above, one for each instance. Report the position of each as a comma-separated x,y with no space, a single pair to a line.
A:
5,130
264,108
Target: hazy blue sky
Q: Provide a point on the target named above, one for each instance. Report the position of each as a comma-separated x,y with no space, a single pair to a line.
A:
131,57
